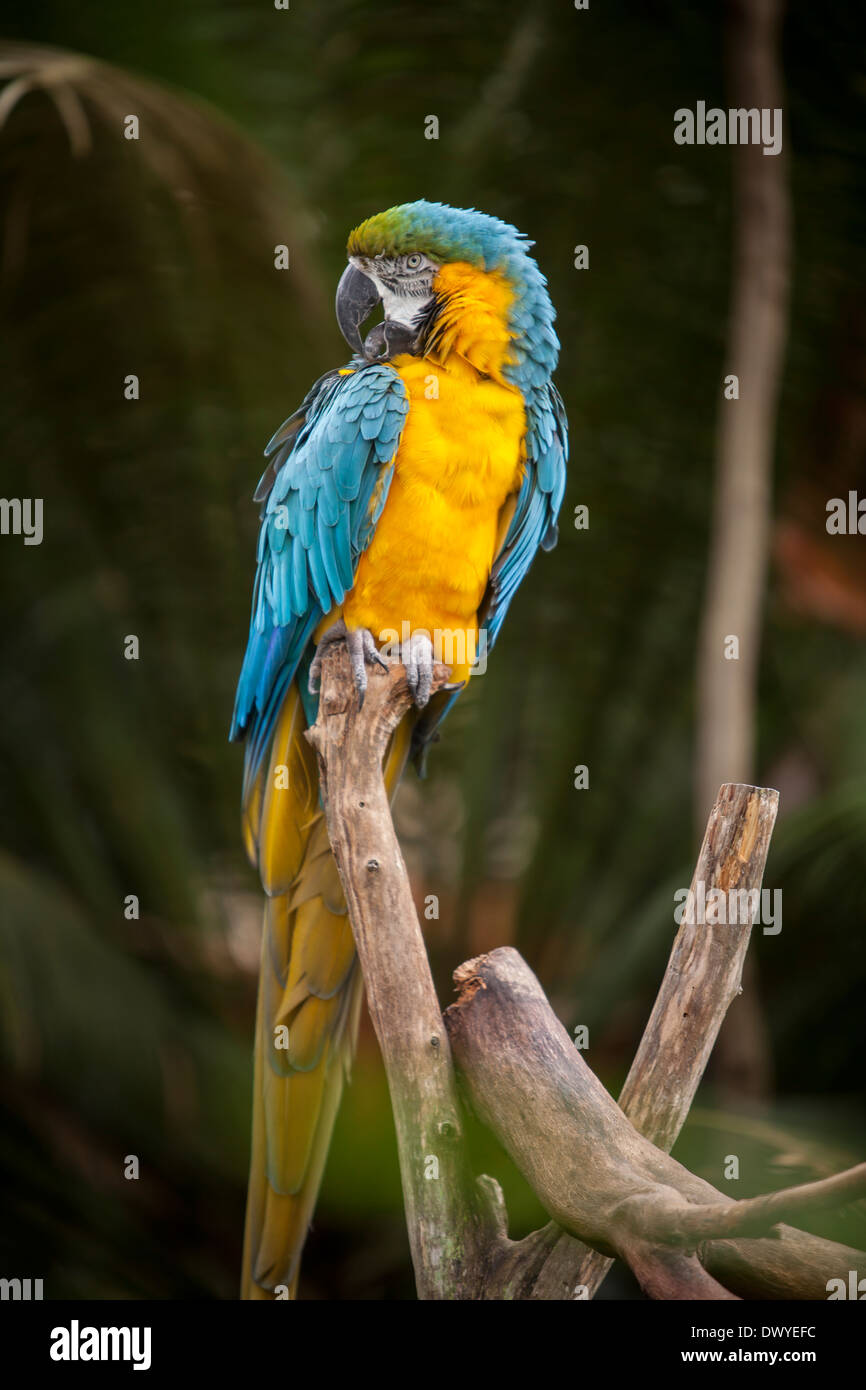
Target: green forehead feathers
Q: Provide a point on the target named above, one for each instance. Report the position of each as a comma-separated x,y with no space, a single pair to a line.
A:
444,233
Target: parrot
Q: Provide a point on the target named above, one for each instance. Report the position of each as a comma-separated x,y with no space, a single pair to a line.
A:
404,499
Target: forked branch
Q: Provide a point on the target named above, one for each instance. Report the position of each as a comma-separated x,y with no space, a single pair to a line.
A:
606,1185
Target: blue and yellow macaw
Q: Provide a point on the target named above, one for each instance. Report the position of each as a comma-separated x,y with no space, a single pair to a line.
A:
404,500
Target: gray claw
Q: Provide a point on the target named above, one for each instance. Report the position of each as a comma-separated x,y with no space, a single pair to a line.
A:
417,657
362,650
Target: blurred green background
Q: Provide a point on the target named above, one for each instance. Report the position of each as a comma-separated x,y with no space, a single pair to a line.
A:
156,257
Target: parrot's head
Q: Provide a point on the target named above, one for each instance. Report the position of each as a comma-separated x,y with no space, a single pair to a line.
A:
425,262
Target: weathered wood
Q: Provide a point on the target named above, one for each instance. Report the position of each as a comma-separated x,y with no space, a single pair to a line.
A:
598,1177
705,968
757,1216
701,981
448,1228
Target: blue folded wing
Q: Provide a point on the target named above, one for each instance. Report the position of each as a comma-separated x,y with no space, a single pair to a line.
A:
533,525
329,469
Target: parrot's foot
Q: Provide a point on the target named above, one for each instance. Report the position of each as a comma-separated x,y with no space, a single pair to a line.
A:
416,655
362,650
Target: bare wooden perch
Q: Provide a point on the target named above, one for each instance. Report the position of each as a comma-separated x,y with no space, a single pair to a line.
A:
601,1170
445,1231
597,1176
700,983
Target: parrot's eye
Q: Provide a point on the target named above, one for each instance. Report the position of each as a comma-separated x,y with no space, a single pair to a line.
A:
413,262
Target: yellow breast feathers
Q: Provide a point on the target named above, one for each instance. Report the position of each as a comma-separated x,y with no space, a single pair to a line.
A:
460,457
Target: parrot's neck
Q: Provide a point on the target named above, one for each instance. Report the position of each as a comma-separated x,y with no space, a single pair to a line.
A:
472,321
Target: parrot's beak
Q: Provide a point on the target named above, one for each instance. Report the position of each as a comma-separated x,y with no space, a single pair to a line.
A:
357,297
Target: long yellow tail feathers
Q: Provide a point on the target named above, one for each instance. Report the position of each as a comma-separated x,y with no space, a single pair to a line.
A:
309,1001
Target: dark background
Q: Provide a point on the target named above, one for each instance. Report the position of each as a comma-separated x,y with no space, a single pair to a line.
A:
156,257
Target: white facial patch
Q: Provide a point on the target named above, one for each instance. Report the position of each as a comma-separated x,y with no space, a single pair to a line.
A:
404,300
399,308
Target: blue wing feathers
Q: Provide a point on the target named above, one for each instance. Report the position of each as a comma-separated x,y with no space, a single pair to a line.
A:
322,492
534,522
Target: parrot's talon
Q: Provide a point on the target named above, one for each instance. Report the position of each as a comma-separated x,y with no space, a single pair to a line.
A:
416,655
362,649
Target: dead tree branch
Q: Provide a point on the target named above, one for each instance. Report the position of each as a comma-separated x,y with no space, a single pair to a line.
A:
601,1180
446,1222
598,1177
756,1216
701,981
